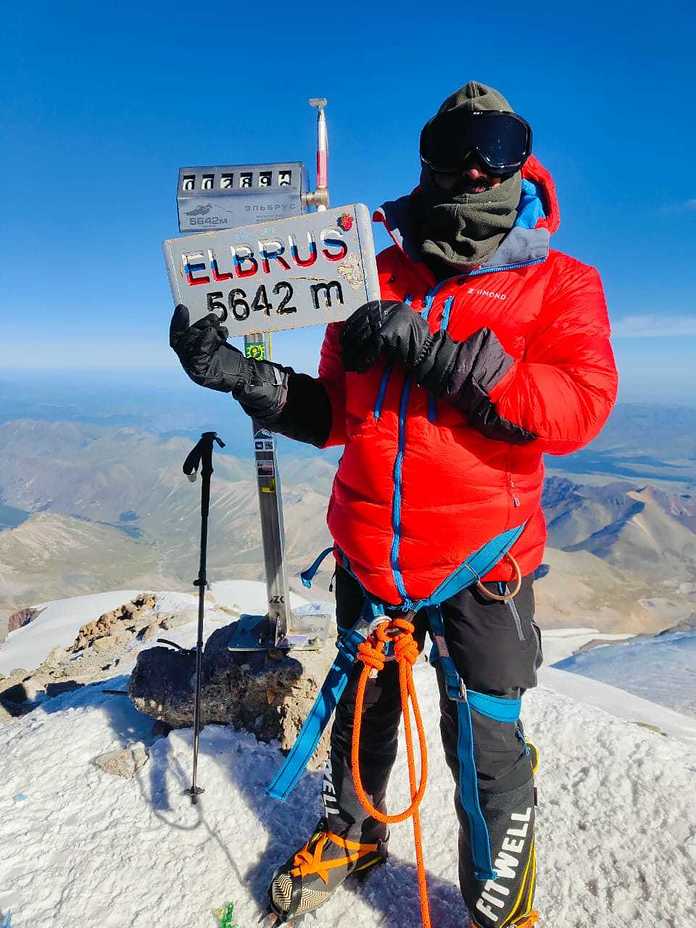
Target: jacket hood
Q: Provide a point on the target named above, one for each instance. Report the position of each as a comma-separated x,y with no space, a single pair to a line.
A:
538,217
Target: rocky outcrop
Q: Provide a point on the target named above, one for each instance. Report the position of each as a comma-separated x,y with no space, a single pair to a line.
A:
21,618
117,623
269,697
94,655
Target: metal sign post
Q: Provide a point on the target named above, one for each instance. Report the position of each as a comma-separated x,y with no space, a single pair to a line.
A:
271,509
262,262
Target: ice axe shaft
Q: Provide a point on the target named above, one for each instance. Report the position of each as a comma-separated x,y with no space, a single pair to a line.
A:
201,458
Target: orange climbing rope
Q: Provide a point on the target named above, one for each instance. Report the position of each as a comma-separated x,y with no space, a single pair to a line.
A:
406,651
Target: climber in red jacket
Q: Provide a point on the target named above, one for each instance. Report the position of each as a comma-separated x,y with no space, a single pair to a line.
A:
487,350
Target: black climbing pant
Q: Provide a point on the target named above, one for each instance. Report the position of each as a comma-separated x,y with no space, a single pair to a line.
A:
496,648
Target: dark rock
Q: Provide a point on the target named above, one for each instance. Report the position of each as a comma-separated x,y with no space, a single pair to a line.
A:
17,693
21,618
160,729
11,710
267,696
64,686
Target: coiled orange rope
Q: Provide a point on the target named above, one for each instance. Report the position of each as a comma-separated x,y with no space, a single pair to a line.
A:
406,651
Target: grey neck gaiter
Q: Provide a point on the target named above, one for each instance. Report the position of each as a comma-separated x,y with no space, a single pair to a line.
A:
463,230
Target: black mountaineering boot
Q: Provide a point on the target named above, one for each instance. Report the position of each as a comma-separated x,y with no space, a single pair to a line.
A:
308,878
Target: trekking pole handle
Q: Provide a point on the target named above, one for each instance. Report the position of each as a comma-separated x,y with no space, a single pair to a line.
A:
201,456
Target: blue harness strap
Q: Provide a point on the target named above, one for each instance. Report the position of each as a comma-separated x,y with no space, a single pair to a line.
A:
287,778
474,568
495,707
308,575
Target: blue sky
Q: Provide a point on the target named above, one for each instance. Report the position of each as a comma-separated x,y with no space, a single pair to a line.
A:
103,103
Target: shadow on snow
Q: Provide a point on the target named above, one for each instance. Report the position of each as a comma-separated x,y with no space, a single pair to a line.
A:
249,765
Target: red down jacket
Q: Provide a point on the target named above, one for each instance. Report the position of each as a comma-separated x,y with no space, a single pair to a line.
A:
421,512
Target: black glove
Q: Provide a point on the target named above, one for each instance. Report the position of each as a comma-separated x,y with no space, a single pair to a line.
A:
464,373
260,386
383,326
449,368
204,353
437,362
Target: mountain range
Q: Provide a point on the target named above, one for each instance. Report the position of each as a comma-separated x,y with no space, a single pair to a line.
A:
103,507
90,505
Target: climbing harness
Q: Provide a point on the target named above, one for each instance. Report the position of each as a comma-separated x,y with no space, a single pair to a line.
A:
380,635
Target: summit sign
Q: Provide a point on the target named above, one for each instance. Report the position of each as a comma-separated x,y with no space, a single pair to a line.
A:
307,270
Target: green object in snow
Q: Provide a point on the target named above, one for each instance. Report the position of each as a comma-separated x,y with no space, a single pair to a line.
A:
225,916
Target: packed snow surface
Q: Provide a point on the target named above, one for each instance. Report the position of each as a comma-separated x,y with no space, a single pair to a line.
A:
661,668
80,848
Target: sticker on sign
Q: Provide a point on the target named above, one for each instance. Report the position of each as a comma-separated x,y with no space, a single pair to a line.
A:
308,270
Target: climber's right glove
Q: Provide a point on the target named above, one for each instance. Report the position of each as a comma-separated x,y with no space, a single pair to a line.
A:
275,396
204,353
382,327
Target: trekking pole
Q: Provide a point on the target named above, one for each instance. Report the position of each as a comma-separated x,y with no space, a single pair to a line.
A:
201,456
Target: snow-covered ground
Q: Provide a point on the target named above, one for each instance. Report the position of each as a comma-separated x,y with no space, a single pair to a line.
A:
560,643
80,848
56,626
661,668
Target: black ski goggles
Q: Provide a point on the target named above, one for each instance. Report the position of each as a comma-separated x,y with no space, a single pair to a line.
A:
503,141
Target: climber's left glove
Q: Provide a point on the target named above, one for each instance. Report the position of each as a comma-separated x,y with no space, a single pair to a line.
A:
463,373
437,362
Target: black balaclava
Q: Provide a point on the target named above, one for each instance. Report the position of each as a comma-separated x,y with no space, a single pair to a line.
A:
459,231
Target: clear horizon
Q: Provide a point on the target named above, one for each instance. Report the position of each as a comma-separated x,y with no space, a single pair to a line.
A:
652,370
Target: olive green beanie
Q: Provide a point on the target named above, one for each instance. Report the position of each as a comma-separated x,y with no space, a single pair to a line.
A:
461,231
474,97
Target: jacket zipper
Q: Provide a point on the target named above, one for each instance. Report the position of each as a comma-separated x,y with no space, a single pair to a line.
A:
504,267
444,322
398,476
386,376
382,392
401,452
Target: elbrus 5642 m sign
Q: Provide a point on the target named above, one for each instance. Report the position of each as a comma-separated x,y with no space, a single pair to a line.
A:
307,270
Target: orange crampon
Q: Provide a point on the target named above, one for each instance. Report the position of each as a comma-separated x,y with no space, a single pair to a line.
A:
314,872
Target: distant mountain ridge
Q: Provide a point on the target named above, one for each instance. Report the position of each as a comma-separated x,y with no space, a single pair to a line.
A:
106,506
109,506
639,529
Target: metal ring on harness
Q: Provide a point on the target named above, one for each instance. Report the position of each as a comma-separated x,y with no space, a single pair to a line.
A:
503,597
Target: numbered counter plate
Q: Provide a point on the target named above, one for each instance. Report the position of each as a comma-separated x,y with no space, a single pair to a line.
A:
308,270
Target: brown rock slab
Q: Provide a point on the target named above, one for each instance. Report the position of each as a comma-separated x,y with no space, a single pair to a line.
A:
113,623
124,762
